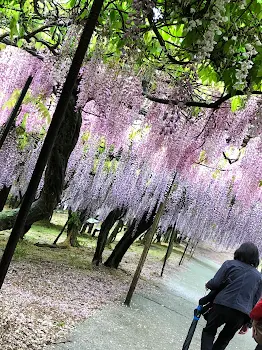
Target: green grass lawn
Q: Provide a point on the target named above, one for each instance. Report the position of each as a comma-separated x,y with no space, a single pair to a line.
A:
46,232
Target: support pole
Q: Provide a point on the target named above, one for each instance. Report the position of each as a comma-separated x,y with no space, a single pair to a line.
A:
50,138
61,232
193,250
11,119
148,240
170,246
184,253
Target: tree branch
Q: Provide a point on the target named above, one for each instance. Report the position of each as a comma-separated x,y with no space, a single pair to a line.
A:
162,41
51,48
244,144
31,51
213,105
210,167
40,29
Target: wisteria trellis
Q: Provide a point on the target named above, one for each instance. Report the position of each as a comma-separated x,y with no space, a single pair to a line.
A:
221,201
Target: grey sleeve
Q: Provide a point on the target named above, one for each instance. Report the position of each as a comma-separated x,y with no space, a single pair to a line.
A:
219,277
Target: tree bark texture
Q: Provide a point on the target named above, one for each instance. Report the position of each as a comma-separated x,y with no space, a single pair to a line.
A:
128,239
106,226
14,201
55,171
4,192
73,228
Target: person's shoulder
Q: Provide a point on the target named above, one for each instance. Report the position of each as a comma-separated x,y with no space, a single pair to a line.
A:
230,262
256,274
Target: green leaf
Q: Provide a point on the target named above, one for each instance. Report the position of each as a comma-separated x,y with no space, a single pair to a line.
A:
120,44
72,3
112,16
23,124
20,43
13,27
207,75
38,45
43,110
237,102
10,103
22,139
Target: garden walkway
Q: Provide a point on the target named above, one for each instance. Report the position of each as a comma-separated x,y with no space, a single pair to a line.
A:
158,321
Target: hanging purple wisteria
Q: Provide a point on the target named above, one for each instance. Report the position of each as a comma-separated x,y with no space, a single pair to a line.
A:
129,149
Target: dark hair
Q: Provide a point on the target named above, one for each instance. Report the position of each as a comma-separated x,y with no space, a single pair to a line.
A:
247,253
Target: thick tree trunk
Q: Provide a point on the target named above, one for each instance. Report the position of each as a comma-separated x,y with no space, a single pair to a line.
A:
116,230
83,229
73,227
106,226
128,239
55,171
4,192
51,138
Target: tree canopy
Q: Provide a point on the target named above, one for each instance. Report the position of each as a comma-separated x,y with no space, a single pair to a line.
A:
215,44
153,94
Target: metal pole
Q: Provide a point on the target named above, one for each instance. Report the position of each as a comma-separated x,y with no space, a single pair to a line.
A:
50,138
14,112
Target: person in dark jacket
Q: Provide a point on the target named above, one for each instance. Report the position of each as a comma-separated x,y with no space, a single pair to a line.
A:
242,287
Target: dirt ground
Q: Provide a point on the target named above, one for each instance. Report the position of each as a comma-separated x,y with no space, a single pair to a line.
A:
42,299
47,291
